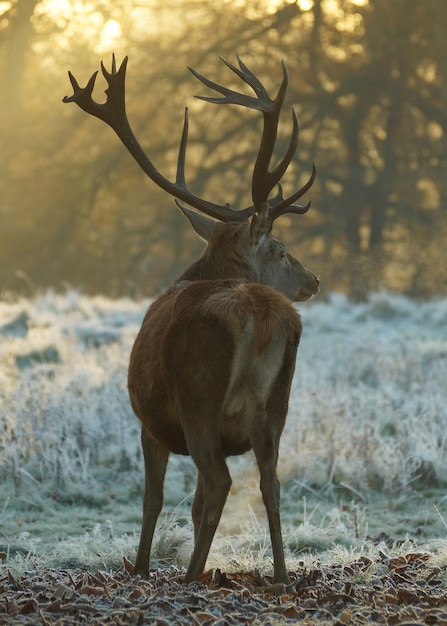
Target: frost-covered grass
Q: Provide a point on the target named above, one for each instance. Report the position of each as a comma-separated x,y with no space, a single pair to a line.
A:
363,458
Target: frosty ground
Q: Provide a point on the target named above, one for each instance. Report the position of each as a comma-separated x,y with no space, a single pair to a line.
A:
363,461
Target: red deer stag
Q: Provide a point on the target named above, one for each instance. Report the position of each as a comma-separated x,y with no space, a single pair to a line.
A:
211,368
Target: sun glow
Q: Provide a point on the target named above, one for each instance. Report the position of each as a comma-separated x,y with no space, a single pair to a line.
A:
103,23
81,19
110,34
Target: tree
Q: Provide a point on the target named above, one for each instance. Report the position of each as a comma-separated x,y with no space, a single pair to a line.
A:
368,80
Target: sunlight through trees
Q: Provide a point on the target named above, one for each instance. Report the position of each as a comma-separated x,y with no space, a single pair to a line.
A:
368,81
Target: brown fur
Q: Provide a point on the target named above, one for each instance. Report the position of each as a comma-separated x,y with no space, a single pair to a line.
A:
211,368
216,263
210,375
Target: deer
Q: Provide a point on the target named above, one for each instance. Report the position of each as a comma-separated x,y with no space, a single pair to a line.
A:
211,368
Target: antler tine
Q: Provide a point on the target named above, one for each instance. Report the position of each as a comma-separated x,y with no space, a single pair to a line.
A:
248,77
113,64
282,166
280,205
82,95
230,96
262,103
113,113
263,180
180,176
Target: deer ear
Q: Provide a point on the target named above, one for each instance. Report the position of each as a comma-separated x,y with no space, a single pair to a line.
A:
201,224
260,225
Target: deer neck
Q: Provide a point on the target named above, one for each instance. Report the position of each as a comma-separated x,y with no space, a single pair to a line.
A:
228,255
210,268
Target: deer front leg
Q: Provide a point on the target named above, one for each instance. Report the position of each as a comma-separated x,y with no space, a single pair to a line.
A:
155,463
213,485
265,446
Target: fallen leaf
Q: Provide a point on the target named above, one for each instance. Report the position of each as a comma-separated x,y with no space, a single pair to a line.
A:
128,566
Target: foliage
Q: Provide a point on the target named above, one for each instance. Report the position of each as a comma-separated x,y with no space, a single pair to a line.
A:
368,80
362,458
404,589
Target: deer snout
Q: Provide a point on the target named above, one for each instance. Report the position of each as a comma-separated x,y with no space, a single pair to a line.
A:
310,287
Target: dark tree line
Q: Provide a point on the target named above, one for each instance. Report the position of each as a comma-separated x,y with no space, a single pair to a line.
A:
369,81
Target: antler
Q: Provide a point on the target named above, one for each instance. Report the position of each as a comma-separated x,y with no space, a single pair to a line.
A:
264,180
113,113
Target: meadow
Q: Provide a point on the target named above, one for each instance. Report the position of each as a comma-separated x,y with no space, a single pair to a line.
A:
363,458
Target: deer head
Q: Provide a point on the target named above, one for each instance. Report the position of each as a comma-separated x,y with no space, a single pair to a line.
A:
253,254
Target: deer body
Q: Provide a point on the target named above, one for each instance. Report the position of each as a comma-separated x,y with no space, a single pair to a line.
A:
209,376
211,368
216,348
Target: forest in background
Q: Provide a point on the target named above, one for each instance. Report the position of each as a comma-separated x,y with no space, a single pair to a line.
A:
369,83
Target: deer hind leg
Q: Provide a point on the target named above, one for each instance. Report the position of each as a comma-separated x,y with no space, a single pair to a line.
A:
265,447
155,463
197,507
213,485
